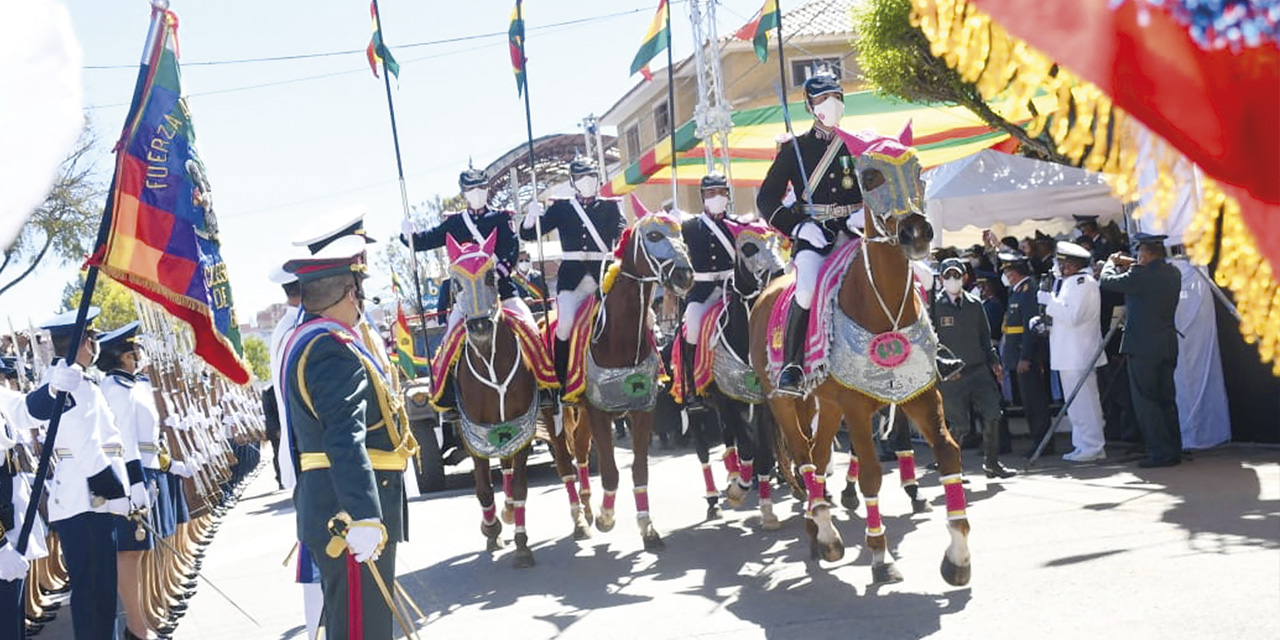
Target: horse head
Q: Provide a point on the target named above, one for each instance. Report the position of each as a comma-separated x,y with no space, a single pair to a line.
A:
657,253
888,172
758,248
475,285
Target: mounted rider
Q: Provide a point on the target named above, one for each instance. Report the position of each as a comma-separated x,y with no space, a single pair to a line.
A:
589,229
711,252
822,216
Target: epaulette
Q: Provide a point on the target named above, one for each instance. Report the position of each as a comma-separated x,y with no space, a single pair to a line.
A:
1080,279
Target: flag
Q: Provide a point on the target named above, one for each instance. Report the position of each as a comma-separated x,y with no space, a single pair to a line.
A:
404,345
163,234
377,52
757,31
655,40
515,42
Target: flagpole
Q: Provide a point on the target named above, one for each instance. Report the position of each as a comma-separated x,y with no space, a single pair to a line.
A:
533,174
782,64
404,193
671,113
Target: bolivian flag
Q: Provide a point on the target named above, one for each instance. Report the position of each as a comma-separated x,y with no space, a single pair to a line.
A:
515,42
757,31
404,345
657,39
377,51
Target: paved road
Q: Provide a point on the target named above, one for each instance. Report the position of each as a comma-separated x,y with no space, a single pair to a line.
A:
1106,551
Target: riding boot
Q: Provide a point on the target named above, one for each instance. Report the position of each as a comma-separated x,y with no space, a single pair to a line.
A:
792,376
692,401
991,451
449,400
561,357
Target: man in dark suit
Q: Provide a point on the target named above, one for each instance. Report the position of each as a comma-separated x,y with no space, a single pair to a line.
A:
1088,226
1023,351
1151,287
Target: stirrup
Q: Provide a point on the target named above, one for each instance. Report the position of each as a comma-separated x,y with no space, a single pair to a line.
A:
793,388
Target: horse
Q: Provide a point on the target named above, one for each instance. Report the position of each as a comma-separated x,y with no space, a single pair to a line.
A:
496,379
614,363
733,388
881,345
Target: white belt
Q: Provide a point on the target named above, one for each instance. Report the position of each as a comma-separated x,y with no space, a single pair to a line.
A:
713,276
586,256
114,450
148,447
824,212
62,454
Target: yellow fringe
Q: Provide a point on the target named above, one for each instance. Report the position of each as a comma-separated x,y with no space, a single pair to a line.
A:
610,276
1104,138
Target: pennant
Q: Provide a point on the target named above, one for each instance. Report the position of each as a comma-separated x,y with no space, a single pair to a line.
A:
757,31
656,39
163,233
405,357
515,42
377,52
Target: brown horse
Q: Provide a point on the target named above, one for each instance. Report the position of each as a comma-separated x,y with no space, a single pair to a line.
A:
496,390
620,364
876,293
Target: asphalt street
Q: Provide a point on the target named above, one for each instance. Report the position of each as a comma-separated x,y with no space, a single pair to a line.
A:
1079,551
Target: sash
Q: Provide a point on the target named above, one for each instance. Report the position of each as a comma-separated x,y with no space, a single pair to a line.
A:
715,230
586,223
815,176
471,226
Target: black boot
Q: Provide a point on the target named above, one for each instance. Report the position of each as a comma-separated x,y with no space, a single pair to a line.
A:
692,401
792,376
561,357
991,451
449,401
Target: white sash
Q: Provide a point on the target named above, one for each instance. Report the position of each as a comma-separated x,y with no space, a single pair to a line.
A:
715,230
827,158
586,222
471,226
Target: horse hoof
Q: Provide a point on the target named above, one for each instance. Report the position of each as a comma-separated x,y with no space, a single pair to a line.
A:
713,512
769,521
885,573
954,574
581,532
523,559
654,543
604,523
508,514
920,506
849,498
493,544
735,495
833,551
587,513
491,530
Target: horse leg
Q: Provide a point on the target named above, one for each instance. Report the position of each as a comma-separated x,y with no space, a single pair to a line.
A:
508,503
523,558
738,454
565,468
702,447
849,496
926,411
901,437
761,432
602,432
490,526
582,453
829,543
858,412
641,433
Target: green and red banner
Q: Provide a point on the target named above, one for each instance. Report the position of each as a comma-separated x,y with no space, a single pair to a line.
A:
656,40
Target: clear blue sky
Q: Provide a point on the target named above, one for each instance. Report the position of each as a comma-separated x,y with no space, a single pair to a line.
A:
282,154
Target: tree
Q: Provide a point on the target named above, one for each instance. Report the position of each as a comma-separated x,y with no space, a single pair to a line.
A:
896,60
65,225
114,299
432,265
255,352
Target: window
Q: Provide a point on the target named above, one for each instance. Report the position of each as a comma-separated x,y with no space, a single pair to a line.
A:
802,69
661,121
633,142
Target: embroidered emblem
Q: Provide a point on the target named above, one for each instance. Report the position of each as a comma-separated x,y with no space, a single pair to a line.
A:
889,349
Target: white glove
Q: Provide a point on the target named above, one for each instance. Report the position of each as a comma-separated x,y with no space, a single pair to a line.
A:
365,539
12,565
180,468
65,378
810,232
138,498
118,506
854,222
532,213
1044,297
407,228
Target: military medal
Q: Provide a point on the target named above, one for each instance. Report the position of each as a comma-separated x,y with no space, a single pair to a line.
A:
846,164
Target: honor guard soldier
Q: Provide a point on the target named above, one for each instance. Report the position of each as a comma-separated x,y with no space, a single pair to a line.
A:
589,228
962,327
711,252
13,565
88,485
1022,350
1151,288
1074,338
353,445
532,284
1088,226
826,195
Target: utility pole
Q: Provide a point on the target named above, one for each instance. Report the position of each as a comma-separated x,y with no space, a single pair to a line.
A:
713,115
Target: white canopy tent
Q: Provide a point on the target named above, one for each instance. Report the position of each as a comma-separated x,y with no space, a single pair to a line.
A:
1011,195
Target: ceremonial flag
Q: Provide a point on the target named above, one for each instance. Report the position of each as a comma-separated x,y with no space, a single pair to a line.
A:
757,31
162,240
515,42
655,40
404,345
377,52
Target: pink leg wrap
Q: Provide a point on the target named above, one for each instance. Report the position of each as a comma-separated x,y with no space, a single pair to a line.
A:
609,498
954,490
766,488
708,479
571,488
907,467
852,475
731,462
813,483
747,471
875,526
506,482
519,515
584,477
490,513
642,499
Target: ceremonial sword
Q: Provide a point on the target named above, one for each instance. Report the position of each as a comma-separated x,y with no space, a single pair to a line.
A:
146,525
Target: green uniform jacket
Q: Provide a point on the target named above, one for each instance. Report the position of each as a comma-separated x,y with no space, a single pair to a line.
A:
345,408
1151,295
964,329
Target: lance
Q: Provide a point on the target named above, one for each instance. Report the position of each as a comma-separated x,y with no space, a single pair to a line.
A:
671,112
533,173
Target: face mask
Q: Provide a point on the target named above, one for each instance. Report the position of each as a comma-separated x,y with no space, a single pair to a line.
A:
476,198
587,186
524,266
1004,279
829,112
952,285
716,204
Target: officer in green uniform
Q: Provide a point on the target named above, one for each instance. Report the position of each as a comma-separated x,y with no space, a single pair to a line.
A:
1022,350
1151,287
352,443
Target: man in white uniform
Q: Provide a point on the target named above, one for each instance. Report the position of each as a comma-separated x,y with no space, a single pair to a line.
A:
1074,338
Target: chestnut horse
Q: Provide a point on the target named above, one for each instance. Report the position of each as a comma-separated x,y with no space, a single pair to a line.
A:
876,293
620,365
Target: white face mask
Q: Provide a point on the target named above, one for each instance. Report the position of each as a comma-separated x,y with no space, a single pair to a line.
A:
829,112
1004,279
524,266
587,186
476,198
716,204
952,285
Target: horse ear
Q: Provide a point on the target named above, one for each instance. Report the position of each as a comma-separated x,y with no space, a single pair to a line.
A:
451,246
491,242
637,206
857,142
906,137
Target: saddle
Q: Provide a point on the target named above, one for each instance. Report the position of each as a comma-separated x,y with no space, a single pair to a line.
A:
533,352
714,362
818,337
585,326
